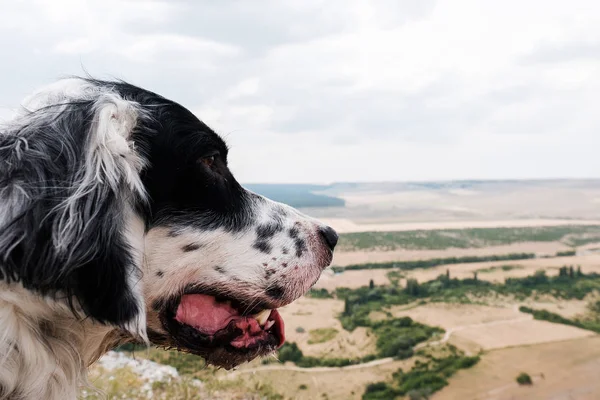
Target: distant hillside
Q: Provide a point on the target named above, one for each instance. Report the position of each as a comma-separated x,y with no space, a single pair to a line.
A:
296,195
395,187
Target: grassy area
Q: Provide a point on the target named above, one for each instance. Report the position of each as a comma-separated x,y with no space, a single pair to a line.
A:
424,379
318,294
572,235
321,335
436,262
186,364
196,381
291,352
571,283
130,386
396,337
394,277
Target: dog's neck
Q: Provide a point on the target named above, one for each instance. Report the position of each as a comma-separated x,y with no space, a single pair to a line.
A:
44,349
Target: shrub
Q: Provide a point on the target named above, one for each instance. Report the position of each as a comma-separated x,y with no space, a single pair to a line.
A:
398,335
403,354
524,379
320,293
379,391
422,380
302,387
290,352
545,315
300,329
391,346
566,253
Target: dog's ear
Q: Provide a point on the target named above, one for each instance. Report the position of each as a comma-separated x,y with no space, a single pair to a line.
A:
69,185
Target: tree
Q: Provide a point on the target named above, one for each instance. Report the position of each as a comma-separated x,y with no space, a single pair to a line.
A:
347,307
475,276
524,379
371,284
571,272
412,287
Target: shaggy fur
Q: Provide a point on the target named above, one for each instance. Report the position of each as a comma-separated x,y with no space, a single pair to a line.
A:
114,203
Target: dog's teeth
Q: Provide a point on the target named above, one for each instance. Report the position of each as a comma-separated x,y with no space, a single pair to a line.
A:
269,324
262,317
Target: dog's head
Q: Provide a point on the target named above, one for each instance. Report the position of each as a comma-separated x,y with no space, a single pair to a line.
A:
120,202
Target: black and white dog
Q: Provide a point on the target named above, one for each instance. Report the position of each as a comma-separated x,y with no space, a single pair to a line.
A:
120,222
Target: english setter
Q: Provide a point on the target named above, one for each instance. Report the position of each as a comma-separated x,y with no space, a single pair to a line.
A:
121,222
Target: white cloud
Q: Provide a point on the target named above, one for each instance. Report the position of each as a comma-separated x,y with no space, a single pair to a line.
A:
345,90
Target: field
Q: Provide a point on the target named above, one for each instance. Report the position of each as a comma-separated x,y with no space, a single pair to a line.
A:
560,370
357,278
454,327
460,204
492,327
306,316
468,238
335,383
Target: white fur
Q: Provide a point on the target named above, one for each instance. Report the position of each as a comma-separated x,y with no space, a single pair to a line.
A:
135,238
235,255
44,350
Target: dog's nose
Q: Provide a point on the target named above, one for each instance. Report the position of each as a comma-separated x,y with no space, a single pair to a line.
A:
331,236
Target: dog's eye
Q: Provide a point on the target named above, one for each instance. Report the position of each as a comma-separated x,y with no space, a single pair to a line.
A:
208,161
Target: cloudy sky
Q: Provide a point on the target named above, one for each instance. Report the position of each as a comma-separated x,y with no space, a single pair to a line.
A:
342,90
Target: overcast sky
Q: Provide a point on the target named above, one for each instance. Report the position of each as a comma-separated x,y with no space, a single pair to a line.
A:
342,90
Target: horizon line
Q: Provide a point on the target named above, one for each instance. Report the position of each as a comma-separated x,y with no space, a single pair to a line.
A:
425,181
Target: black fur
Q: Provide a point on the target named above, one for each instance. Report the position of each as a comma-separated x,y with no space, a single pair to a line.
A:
263,247
39,164
276,292
190,247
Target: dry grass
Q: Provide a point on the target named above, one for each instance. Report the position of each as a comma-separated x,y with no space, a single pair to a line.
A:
321,335
320,315
338,384
520,333
560,370
122,383
450,316
344,225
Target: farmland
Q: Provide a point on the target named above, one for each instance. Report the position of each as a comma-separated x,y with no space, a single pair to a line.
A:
441,309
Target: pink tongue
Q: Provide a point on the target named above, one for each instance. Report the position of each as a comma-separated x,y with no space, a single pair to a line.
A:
204,313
